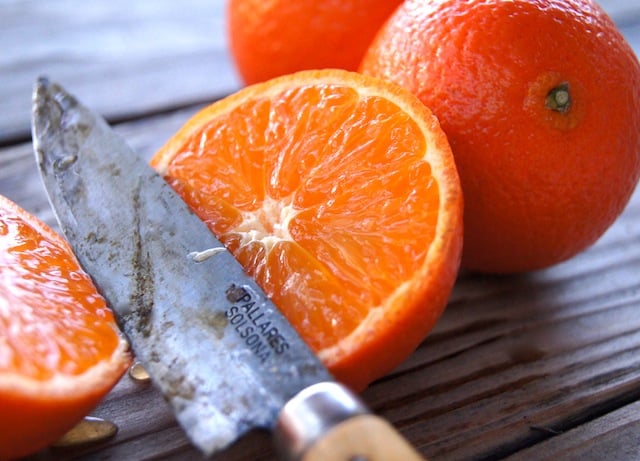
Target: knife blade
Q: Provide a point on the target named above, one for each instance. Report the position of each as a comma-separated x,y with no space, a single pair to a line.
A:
215,345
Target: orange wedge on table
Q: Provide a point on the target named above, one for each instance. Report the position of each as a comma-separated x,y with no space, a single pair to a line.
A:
60,349
338,193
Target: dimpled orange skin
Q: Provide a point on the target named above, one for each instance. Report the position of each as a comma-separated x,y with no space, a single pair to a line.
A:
540,185
269,38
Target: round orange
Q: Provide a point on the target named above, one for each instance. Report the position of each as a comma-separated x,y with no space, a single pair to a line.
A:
60,349
269,38
540,100
339,194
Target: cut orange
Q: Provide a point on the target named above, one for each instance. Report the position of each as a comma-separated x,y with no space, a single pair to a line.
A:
60,349
338,193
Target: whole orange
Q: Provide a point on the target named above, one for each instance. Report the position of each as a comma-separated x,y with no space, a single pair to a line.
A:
269,38
540,100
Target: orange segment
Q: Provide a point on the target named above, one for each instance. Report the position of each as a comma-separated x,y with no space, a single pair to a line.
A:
60,349
339,194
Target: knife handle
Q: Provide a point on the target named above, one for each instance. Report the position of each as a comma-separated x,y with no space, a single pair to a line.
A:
362,438
328,422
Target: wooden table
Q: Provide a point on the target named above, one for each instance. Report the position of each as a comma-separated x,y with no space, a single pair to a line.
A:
539,366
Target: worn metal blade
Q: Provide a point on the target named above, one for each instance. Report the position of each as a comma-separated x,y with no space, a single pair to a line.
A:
218,349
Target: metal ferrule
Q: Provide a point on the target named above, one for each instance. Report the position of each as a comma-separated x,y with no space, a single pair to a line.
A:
309,415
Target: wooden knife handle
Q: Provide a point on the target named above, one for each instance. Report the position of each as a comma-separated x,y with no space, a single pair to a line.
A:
328,422
362,438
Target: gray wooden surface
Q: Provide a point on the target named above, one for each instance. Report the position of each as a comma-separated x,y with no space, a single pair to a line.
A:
540,366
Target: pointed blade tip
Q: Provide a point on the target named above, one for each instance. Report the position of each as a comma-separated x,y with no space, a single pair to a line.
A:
42,82
42,92
42,109
48,94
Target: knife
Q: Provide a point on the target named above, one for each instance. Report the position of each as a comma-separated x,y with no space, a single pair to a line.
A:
186,305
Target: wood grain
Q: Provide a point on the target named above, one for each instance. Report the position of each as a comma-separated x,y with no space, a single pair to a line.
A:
124,58
614,437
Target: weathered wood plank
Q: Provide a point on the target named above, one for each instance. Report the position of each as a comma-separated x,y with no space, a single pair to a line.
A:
121,57
614,437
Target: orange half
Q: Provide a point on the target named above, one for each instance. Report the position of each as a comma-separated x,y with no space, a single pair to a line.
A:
60,348
338,193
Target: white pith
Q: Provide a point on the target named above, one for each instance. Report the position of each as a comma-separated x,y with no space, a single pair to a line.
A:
268,225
